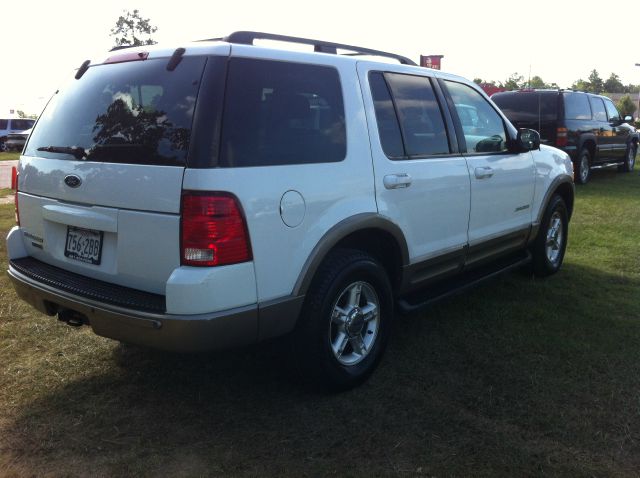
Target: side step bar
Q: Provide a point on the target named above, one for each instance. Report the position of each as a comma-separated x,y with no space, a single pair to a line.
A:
422,299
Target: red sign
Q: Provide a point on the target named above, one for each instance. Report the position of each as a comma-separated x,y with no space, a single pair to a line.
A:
431,61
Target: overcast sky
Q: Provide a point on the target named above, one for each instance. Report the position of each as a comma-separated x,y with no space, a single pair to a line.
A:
45,40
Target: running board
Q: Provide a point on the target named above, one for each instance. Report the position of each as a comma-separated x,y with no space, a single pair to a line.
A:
607,165
416,301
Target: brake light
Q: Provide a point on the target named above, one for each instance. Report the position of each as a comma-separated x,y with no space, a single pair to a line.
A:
561,137
213,230
128,56
15,202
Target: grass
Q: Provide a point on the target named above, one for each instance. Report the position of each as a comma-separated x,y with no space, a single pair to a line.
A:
9,156
520,377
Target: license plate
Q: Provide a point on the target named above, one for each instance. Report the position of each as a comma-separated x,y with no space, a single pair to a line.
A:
83,245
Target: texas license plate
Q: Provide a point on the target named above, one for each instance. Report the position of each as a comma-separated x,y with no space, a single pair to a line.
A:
83,245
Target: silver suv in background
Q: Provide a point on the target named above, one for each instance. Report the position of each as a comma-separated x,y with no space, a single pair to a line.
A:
221,193
13,126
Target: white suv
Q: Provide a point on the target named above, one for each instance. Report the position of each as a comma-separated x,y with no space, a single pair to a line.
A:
225,193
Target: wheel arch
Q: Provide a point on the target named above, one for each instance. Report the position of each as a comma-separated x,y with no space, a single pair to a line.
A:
368,232
564,186
589,142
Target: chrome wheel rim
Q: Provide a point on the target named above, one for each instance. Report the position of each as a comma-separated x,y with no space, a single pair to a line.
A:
584,168
355,321
555,236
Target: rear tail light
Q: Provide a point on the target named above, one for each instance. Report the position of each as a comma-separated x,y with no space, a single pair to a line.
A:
213,230
15,202
561,137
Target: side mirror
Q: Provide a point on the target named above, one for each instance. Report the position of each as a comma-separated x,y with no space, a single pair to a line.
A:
527,139
628,119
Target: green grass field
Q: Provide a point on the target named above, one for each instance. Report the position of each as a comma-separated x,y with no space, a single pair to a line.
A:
519,377
9,156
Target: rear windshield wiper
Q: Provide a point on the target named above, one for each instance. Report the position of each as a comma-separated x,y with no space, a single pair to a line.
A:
75,151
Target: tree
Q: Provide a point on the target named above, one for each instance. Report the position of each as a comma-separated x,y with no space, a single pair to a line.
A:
514,82
626,106
130,27
613,84
597,85
537,82
581,85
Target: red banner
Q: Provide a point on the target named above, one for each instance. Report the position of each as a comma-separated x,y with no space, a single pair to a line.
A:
431,61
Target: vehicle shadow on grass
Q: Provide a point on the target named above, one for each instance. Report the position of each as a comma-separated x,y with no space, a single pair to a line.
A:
518,377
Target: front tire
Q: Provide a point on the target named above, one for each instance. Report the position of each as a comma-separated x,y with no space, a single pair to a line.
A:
345,322
629,160
583,167
550,245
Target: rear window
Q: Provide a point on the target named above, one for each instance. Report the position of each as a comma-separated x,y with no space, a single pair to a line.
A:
4,123
527,107
132,112
576,106
278,113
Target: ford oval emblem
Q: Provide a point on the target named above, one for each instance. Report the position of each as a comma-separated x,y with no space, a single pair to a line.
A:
72,180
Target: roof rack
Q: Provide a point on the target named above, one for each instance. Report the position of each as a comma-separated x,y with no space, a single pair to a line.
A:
247,38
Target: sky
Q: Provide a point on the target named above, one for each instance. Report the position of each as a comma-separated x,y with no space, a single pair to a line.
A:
554,39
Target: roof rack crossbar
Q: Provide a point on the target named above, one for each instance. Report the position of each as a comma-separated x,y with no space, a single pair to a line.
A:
247,38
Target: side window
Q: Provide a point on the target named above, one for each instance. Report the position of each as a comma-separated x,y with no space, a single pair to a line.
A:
421,122
4,124
482,126
599,113
612,111
576,106
388,127
282,113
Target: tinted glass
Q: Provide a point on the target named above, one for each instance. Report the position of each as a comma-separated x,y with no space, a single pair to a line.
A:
132,112
421,122
388,127
282,113
576,106
612,111
599,113
482,126
527,106
21,124
4,123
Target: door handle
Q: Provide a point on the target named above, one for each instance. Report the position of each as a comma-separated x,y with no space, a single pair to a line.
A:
396,181
484,172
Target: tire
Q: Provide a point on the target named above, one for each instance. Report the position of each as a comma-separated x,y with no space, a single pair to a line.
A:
629,159
583,167
3,146
345,322
550,245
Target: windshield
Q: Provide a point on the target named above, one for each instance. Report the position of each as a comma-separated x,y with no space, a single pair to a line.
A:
133,112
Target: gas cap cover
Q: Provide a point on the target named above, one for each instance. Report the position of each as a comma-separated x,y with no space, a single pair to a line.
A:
292,208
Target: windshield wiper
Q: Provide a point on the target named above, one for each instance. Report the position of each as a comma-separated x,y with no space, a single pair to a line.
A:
75,151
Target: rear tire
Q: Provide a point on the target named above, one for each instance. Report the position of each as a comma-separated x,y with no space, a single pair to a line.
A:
551,243
583,167
345,322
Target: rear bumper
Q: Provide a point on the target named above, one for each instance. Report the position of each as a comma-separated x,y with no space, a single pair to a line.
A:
177,333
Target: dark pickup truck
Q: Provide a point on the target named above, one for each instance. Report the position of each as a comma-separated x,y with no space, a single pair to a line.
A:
587,126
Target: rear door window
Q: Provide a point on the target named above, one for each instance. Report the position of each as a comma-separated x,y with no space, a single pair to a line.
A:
576,106
21,124
599,112
278,113
132,112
